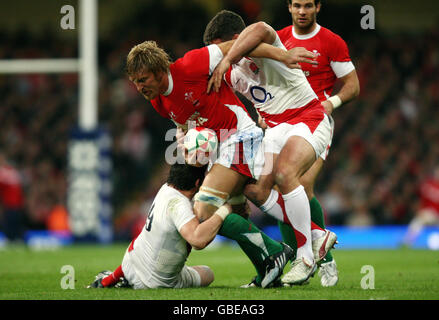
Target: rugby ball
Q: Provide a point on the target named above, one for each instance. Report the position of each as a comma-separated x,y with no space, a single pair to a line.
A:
201,139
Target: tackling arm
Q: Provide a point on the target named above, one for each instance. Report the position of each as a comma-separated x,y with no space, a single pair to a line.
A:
249,39
255,41
199,235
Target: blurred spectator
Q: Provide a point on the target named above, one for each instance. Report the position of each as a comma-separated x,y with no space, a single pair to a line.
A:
428,209
135,140
383,144
11,200
58,219
359,216
336,203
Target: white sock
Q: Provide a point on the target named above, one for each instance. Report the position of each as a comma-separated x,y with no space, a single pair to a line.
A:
299,213
272,207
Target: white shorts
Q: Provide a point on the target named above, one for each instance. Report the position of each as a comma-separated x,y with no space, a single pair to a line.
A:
276,137
325,153
187,278
240,150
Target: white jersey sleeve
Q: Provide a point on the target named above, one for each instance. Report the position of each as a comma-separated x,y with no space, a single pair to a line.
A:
180,212
215,57
342,68
271,85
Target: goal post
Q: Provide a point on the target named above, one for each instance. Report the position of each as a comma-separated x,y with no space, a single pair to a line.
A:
89,162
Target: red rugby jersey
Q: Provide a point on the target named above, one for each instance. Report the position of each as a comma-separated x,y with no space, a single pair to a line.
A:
429,194
187,100
332,56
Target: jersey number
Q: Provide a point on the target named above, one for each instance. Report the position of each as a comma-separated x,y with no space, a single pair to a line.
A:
149,218
259,94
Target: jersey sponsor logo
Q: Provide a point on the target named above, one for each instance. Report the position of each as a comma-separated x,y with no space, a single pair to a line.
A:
259,94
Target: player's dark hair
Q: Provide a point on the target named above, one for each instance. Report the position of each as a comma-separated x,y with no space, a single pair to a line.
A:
223,26
316,2
183,176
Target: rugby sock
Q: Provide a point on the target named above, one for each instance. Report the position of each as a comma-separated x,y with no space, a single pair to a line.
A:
255,244
275,207
288,235
299,214
318,217
287,232
113,278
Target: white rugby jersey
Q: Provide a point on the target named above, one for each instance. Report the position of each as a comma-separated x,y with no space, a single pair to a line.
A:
273,88
160,252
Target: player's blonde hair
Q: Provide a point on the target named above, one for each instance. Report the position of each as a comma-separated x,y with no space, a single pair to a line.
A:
147,57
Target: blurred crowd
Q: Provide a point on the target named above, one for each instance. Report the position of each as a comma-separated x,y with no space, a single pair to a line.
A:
385,143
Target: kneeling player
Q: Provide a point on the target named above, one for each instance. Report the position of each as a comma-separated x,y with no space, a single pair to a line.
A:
156,258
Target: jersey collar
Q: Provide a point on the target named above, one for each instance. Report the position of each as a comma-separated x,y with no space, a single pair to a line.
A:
306,36
170,85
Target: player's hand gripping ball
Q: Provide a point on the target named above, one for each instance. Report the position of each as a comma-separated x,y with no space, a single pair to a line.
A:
201,139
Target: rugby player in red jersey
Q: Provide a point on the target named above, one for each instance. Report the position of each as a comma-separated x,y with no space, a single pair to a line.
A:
177,91
334,65
428,211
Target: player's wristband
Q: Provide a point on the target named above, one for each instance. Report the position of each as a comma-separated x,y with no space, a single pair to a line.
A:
336,101
222,212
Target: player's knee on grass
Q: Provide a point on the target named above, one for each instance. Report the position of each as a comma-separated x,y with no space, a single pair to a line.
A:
206,275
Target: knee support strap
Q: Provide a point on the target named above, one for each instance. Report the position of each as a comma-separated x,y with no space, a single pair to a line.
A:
211,196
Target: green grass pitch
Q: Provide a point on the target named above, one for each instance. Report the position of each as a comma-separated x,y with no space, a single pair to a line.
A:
398,275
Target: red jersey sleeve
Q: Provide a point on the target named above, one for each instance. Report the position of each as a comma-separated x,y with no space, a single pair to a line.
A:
195,63
338,50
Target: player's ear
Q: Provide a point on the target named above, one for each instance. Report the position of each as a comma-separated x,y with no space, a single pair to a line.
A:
197,184
318,7
235,36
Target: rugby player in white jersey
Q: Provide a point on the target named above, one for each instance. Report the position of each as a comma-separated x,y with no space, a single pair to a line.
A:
156,258
299,131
